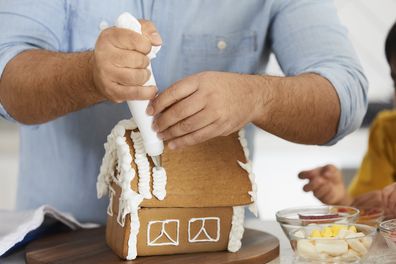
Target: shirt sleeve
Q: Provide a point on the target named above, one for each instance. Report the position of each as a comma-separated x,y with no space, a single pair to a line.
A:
307,37
29,24
376,170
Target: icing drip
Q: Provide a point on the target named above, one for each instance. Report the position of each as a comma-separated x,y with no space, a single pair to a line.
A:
143,165
110,206
237,229
159,183
249,168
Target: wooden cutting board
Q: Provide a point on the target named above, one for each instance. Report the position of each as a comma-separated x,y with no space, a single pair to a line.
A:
89,246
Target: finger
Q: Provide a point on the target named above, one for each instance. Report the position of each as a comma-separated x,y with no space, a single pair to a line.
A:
360,200
127,39
131,77
124,93
196,137
392,202
189,125
313,184
179,111
309,174
387,191
172,95
151,32
386,194
392,199
130,59
368,200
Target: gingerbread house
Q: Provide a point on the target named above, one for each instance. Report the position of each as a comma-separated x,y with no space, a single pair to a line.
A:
194,203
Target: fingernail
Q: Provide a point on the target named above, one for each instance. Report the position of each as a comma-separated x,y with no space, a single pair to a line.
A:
171,145
155,127
156,38
150,110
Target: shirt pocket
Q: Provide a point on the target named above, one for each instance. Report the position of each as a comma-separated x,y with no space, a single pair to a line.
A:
232,52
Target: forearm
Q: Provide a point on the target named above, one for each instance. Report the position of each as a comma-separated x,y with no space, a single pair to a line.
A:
303,109
38,86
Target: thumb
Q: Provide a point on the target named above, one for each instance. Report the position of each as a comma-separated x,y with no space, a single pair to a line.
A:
151,32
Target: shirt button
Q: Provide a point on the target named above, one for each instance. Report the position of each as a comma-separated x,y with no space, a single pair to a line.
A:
221,44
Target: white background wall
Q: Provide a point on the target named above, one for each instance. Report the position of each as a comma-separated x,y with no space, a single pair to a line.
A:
278,162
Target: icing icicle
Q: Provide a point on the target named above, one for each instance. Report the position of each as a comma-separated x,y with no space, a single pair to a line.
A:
143,165
159,183
249,168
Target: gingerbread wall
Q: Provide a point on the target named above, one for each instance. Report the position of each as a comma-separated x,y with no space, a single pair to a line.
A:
187,230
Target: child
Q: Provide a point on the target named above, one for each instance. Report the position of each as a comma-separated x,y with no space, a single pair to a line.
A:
373,186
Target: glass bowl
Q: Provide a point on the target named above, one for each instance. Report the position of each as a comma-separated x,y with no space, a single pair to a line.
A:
388,231
332,243
372,216
293,218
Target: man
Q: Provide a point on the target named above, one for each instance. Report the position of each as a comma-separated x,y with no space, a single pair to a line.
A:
65,82
373,186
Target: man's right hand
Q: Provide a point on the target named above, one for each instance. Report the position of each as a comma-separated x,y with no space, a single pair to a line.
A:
120,63
326,184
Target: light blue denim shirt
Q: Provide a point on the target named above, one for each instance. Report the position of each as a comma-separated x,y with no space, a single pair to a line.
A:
59,160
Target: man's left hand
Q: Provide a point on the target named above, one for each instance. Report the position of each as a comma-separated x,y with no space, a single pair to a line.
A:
203,106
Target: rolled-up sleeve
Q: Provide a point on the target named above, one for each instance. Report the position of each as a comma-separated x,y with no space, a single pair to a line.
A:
307,36
29,24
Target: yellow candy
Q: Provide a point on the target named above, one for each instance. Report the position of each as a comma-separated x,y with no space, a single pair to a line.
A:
352,229
315,233
327,232
337,228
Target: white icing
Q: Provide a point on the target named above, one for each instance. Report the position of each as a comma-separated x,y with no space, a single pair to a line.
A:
103,25
203,230
117,152
110,206
143,165
249,168
159,183
237,229
171,241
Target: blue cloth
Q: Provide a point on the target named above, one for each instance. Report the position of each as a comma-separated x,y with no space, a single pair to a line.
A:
59,160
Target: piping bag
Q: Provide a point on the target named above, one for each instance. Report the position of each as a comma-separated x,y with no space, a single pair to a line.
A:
153,145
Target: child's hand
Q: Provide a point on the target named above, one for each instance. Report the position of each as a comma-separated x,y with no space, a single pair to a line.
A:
369,200
389,200
326,184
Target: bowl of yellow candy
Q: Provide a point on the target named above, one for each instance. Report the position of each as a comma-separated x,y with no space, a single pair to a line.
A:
333,243
291,219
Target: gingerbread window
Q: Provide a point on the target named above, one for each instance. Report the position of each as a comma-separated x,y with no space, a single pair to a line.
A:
204,229
163,233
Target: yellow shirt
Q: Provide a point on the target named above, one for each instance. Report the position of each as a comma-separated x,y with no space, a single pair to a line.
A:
378,167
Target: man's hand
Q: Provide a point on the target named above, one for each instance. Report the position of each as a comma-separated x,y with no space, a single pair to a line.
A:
201,107
120,61
326,184
389,200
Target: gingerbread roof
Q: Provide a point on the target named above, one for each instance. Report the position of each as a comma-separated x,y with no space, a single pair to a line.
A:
204,175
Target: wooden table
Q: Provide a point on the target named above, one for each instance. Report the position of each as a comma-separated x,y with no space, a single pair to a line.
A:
286,253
